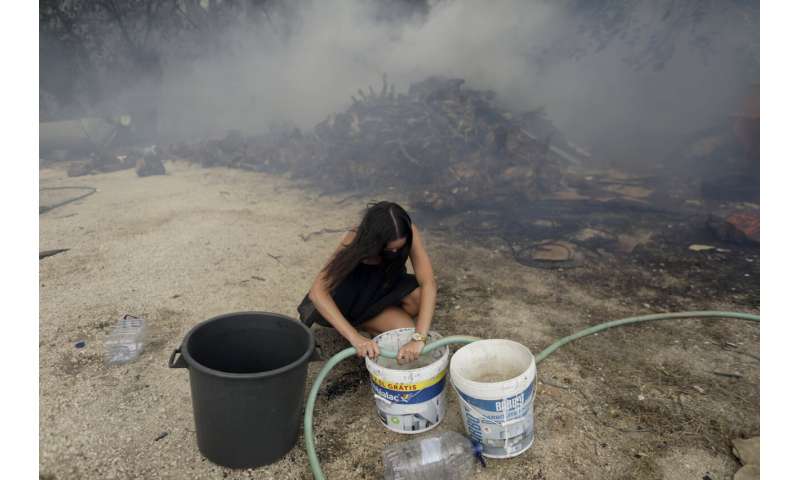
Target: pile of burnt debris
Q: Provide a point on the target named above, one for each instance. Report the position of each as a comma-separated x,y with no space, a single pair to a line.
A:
146,161
92,145
454,147
472,166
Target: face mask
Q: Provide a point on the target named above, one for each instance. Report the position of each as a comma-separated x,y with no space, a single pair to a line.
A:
390,256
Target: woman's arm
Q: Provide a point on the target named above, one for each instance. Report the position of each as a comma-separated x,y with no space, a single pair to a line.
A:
321,297
423,271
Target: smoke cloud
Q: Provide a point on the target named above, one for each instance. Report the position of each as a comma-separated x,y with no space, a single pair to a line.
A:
297,68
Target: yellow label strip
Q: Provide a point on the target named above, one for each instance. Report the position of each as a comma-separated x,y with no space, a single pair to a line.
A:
408,387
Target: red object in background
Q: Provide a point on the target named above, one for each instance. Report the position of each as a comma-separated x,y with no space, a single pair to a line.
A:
748,223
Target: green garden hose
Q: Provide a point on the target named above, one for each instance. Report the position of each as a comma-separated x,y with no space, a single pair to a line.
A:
308,426
642,318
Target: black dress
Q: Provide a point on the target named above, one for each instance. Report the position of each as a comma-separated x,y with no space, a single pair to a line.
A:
362,295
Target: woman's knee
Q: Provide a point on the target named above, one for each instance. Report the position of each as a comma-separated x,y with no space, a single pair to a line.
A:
412,301
389,319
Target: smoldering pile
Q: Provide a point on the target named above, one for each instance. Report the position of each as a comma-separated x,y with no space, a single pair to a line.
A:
452,146
509,179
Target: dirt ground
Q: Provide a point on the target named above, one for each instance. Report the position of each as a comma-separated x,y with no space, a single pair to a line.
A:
661,400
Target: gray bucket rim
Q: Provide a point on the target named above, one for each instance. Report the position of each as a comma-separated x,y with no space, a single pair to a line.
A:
194,364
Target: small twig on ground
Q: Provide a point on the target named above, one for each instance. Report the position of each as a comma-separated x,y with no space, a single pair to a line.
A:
306,237
733,348
277,258
750,355
664,371
50,253
754,357
349,197
728,374
556,385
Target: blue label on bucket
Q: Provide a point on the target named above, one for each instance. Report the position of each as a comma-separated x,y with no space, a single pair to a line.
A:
504,427
410,397
507,405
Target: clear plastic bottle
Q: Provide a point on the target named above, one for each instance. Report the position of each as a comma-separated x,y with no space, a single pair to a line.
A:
441,456
126,341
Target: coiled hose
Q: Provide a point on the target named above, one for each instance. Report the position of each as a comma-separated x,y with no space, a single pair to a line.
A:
45,209
308,425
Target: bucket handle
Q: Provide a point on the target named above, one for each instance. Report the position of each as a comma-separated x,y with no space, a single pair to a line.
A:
180,362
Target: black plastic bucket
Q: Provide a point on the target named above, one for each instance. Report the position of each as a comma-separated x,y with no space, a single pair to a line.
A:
247,373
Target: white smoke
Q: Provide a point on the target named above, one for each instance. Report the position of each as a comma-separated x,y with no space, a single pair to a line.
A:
337,47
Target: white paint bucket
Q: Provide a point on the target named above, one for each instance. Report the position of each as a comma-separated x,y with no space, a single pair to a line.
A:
410,397
496,382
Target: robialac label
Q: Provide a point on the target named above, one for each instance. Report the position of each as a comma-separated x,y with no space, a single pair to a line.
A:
504,426
409,392
410,407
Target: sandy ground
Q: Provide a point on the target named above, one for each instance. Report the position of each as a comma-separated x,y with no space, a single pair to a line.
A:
642,402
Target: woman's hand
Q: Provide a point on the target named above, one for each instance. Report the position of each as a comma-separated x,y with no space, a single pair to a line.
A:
410,351
365,347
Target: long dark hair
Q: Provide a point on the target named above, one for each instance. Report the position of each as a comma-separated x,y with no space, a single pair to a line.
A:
383,222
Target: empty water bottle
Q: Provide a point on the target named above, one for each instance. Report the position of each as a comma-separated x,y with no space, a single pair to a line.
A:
126,340
444,455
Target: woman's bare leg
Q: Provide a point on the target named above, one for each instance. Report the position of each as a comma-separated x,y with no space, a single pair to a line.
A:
411,302
389,319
